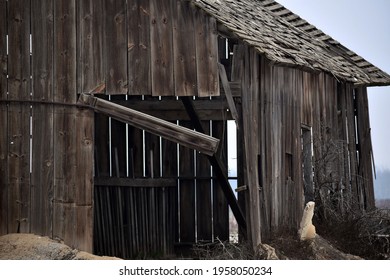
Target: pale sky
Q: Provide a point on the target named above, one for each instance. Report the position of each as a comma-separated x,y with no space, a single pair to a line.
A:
363,27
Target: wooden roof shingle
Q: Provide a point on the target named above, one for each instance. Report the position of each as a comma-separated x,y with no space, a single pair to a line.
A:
286,39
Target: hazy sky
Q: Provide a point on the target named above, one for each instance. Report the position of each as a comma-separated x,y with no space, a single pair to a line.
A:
364,27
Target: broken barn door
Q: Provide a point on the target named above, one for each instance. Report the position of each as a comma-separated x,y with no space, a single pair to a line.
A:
184,136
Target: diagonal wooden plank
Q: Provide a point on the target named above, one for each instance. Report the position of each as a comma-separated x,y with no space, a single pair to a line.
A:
184,136
228,93
218,167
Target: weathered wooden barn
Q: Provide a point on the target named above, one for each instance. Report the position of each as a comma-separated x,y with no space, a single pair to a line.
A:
99,99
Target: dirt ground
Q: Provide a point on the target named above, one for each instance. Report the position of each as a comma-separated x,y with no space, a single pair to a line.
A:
32,247
287,247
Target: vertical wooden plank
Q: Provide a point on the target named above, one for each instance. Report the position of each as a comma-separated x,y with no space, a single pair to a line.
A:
365,147
287,138
152,151
91,32
42,180
152,155
203,193
84,179
266,82
254,67
161,47
3,120
250,105
297,184
184,49
138,47
115,46
187,192
306,107
118,145
101,140
350,110
220,205
343,136
206,54
65,146
135,152
237,76
90,73
333,124
170,170
19,116
276,146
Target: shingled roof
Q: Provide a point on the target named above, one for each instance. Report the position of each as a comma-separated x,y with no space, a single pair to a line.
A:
286,39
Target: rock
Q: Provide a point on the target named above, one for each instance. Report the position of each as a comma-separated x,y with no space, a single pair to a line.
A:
323,250
266,252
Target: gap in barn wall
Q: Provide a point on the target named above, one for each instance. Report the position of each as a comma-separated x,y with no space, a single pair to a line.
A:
232,173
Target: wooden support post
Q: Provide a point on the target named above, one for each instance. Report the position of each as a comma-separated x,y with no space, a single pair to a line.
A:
184,136
218,167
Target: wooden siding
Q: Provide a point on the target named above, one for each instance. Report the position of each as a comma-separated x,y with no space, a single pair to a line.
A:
90,46
18,117
51,150
284,103
139,56
92,77
47,145
146,47
42,181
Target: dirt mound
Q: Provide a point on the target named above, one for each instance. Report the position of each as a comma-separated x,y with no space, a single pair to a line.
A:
32,247
318,248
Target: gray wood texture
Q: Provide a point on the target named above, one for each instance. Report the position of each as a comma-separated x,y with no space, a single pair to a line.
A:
3,121
18,117
42,180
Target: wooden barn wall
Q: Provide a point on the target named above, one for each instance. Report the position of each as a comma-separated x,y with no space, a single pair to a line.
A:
46,149
147,47
281,146
277,106
52,50
342,145
271,115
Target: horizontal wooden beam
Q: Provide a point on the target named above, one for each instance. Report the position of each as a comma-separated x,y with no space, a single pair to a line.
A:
172,110
167,130
138,182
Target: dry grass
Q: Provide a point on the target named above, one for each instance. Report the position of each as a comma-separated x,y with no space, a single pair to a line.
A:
224,250
365,234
